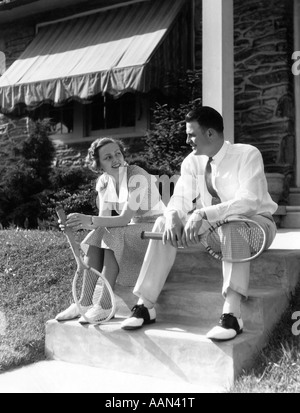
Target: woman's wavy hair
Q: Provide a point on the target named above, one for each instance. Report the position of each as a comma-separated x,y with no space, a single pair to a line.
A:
92,159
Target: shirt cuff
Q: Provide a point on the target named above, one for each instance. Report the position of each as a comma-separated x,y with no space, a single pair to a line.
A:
212,213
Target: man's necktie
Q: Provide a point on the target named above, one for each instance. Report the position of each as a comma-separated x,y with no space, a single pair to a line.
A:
208,180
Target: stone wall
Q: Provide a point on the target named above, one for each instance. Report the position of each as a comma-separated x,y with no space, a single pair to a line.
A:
75,154
14,40
264,108
198,34
70,155
16,128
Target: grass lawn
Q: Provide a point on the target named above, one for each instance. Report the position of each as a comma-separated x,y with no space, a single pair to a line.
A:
277,367
36,271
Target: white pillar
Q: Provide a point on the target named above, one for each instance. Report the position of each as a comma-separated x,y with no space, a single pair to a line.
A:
218,60
297,88
2,63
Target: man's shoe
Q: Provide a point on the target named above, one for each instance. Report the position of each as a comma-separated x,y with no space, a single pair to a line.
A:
228,328
140,316
95,314
70,313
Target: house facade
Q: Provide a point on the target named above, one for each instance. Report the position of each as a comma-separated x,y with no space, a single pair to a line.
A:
96,68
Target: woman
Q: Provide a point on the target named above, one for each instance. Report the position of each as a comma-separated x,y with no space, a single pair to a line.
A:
126,194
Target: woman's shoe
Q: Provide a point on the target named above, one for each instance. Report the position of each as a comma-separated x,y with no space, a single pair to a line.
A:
70,313
95,314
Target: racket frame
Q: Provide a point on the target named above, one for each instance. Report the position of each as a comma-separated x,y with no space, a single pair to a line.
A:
81,266
202,238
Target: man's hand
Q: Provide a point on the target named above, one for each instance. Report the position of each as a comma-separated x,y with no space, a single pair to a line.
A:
191,229
173,230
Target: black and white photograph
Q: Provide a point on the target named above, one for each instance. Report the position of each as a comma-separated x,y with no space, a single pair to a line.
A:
149,199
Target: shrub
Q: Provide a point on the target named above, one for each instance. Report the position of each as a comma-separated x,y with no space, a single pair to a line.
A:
26,165
70,178
30,188
83,201
166,141
168,137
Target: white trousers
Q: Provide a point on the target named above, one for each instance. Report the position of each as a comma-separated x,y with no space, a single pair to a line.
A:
160,258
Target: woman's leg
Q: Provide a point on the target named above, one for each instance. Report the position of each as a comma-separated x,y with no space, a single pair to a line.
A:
110,272
104,261
110,268
93,258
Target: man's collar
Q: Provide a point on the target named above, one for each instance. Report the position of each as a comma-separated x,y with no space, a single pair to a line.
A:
220,155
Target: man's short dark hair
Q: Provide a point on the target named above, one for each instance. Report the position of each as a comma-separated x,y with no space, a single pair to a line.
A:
207,117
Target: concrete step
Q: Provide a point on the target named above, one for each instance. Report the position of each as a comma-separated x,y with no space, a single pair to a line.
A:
275,268
168,351
292,217
175,348
195,303
294,196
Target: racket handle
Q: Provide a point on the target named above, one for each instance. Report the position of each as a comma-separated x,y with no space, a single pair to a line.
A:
156,235
151,235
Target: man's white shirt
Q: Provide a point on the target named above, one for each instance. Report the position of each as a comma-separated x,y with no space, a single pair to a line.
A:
238,177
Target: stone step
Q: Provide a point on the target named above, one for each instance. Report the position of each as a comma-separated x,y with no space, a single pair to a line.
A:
170,351
292,217
200,302
276,268
294,196
175,347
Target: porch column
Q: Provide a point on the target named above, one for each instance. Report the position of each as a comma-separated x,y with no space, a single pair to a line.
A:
218,60
297,86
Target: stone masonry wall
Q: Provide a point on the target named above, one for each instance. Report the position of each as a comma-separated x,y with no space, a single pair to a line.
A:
264,109
14,40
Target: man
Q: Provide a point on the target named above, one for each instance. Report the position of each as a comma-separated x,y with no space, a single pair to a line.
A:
225,179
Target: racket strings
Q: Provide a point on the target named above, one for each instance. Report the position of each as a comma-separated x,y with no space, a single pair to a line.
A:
88,285
236,241
93,293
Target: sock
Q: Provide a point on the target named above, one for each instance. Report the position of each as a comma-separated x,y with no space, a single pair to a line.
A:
232,303
146,303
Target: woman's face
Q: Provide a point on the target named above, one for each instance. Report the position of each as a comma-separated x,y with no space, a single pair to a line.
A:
111,158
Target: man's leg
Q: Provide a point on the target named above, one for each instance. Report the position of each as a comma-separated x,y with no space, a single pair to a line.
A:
236,275
157,264
235,287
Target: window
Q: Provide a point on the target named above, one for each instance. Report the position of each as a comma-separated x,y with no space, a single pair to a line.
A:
107,112
62,118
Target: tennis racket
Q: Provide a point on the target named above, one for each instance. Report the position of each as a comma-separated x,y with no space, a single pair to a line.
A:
231,240
89,287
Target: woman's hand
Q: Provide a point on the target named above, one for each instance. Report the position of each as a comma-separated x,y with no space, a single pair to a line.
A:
77,221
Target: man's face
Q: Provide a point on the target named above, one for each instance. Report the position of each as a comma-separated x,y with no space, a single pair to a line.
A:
196,137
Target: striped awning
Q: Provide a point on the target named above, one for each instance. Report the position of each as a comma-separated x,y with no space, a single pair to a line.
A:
107,52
